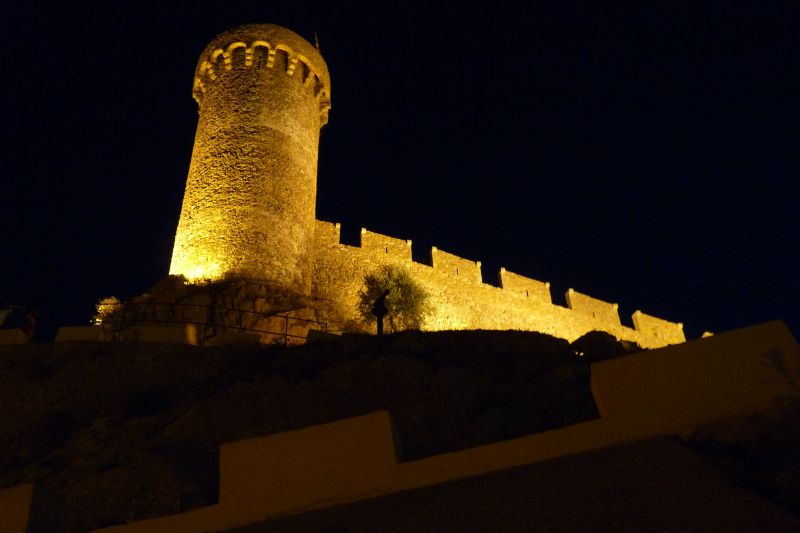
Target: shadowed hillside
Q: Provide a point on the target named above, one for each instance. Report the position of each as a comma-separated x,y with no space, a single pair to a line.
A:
119,432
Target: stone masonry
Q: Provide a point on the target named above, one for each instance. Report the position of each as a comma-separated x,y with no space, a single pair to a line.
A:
249,206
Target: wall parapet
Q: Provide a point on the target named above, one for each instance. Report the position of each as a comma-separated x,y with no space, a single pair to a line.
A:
597,309
327,234
530,288
395,249
264,46
453,265
669,332
462,300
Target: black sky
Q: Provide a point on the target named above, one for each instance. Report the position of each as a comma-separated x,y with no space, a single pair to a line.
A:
644,155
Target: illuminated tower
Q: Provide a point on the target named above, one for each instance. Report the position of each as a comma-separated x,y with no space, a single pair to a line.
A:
249,206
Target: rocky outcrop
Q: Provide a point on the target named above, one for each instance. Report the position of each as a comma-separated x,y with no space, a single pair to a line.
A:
219,312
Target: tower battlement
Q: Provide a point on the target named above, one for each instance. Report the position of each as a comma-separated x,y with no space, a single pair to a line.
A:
264,46
250,201
248,210
462,300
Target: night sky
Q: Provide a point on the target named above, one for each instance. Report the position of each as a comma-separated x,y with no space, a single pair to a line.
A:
642,155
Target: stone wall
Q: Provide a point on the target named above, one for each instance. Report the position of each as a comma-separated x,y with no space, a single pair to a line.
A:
248,208
459,298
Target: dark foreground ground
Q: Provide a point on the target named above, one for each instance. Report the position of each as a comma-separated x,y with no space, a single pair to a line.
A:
112,433
657,485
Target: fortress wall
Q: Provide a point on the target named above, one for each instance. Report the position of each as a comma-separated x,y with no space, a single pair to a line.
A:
380,245
449,264
669,332
461,301
326,233
530,288
602,312
455,294
338,270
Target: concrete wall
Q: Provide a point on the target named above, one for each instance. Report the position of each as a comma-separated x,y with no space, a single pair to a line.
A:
685,385
598,310
13,336
460,299
661,392
15,505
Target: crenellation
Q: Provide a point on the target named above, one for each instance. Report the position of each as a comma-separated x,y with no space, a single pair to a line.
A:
281,62
239,54
231,55
310,79
290,68
255,153
216,55
599,310
302,72
452,265
272,52
255,149
250,51
390,248
327,234
528,287
668,332
462,301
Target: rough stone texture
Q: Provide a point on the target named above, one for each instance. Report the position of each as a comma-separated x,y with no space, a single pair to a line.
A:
249,206
248,209
227,311
460,300
530,288
597,309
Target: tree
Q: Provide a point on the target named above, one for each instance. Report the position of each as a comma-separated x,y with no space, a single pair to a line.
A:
407,300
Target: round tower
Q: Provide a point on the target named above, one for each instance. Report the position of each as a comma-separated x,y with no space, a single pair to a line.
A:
249,206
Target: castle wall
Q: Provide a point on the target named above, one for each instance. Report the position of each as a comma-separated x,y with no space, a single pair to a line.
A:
604,314
659,328
385,249
248,209
460,300
454,266
530,288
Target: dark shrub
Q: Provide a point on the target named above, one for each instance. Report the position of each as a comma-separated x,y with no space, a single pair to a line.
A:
598,346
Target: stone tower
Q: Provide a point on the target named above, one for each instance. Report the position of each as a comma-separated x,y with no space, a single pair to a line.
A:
249,206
